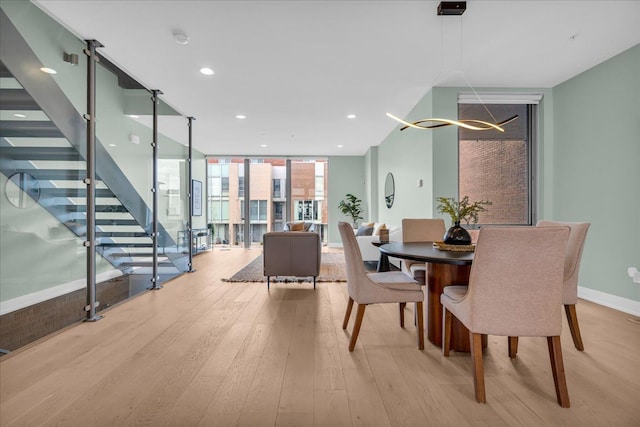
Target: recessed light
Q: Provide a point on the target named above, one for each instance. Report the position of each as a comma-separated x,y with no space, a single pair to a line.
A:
351,116
112,145
22,116
340,146
263,145
133,116
48,70
240,116
207,71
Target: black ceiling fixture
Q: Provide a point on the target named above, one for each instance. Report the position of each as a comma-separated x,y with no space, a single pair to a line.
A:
452,7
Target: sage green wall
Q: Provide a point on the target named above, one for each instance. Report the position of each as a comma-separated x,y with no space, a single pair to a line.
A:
408,156
587,164
597,168
371,183
346,175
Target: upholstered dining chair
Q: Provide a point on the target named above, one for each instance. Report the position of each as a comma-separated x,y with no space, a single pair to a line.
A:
573,255
515,289
419,230
572,258
372,288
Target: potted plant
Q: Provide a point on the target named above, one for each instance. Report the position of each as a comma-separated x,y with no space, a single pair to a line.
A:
458,211
351,207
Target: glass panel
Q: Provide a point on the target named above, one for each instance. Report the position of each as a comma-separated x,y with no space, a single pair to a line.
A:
495,166
42,215
124,165
224,212
309,190
173,204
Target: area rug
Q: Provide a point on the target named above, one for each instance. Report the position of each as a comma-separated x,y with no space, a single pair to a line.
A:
331,270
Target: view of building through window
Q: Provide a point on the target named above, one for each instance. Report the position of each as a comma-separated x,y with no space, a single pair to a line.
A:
495,166
268,195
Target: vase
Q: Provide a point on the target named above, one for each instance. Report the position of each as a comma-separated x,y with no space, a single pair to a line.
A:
457,235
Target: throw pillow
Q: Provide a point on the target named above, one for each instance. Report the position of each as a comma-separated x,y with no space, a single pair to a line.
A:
297,226
364,230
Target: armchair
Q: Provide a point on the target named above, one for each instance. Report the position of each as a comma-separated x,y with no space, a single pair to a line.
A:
291,254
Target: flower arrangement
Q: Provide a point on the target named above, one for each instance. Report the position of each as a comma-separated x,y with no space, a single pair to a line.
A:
462,210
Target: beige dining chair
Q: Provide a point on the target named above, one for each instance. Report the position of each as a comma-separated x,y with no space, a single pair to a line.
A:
373,288
572,258
515,289
419,230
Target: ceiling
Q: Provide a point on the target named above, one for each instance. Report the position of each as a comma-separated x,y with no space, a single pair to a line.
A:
296,69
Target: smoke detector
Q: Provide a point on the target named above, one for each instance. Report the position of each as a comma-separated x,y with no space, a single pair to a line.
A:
180,37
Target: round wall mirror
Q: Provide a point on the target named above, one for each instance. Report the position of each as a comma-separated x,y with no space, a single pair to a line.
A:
389,190
22,190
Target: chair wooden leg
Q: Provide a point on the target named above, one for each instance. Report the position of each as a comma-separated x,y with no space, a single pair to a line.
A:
356,326
557,367
478,369
572,318
513,347
446,335
347,314
402,306
268,282
420,315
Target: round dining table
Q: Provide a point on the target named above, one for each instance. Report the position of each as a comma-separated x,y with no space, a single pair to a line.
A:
444,268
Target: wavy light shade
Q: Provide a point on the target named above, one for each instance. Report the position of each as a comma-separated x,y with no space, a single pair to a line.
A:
467,124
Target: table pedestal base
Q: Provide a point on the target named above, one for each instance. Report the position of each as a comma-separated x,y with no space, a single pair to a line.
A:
439,276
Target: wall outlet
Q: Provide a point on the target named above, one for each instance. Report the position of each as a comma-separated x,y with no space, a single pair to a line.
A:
634,274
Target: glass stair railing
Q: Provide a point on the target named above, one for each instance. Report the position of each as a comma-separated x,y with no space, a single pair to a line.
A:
39,148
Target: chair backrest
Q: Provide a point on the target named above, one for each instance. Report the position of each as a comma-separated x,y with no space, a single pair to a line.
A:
577,237
289,253
515,284
423,229
353,259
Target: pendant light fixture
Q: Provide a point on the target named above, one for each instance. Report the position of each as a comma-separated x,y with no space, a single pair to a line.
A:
455,9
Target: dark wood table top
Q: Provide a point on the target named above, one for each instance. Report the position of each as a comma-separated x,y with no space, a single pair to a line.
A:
425,252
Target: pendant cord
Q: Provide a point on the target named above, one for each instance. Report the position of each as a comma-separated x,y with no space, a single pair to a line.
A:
464,76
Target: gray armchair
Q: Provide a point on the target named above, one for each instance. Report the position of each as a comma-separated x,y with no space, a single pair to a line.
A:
291,254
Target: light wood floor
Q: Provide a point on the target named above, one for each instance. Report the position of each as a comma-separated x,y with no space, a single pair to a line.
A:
205,352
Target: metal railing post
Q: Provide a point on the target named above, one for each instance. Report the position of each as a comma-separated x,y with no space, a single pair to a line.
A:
154,191
190,184
90,181
247,201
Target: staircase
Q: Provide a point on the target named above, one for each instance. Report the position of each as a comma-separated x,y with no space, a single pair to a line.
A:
38,150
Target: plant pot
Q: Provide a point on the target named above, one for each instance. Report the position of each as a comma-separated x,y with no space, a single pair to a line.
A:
457,235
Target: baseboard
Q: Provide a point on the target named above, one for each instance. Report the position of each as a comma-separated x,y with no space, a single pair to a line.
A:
612,301
49,293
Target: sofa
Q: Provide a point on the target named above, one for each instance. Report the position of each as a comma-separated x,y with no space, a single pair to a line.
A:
291,254
369,251
299,226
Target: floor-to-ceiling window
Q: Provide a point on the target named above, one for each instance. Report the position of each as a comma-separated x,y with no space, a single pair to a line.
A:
218,200
268,194
498,166
309,192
